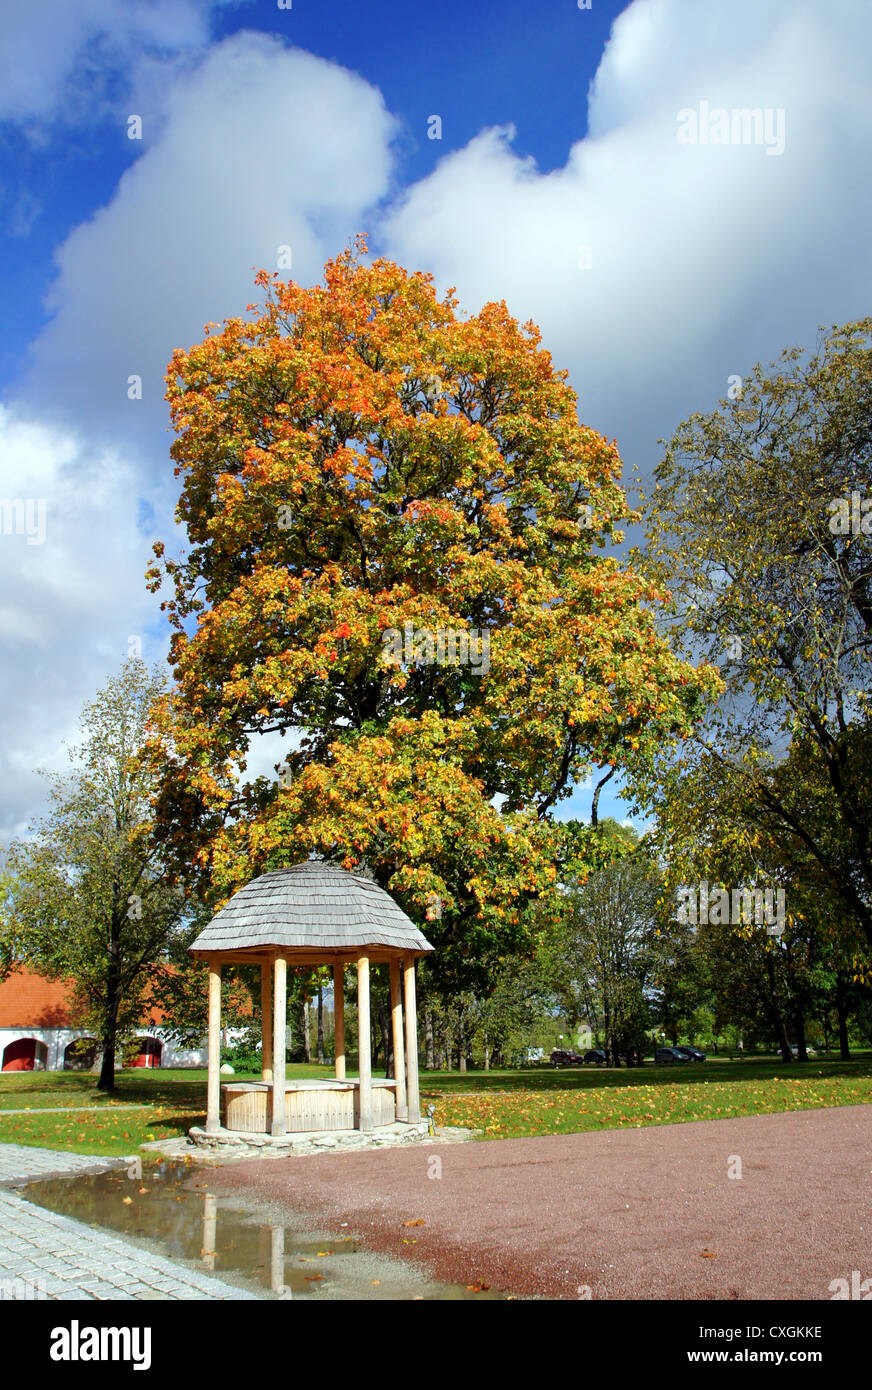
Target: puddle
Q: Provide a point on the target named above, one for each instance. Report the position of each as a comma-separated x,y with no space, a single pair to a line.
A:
171,1211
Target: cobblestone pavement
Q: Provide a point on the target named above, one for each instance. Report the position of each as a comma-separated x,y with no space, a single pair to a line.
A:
20,1164
44,1255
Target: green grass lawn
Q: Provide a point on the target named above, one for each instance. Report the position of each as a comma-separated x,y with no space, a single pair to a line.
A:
500,1104
517,1104
170,1100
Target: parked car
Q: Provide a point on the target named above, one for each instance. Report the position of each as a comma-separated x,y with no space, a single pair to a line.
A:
669,1054
693,1054
597,1055
560,1057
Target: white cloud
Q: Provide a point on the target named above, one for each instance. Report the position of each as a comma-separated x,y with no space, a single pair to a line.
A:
260,147
702,259
58,57
70,601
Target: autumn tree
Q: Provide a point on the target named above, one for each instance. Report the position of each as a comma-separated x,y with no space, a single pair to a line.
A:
89,898
396,526
760,524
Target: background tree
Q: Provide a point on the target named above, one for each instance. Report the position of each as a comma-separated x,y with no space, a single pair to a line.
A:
358,460
89,897
602,954
683,1001
747,523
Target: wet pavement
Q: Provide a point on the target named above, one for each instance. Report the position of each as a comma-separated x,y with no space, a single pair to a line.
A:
46,1255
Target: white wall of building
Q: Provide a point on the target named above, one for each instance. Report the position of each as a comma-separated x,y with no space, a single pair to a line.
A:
58,1039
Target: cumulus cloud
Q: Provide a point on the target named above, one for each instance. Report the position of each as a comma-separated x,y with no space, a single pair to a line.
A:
60,56
71,566
261,147
658,269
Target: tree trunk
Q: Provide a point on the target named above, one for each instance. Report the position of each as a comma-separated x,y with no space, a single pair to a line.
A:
842,1015
429,1042
461,1048
320,1025
307,1042
387,1032
775,1013
487,1056
106,1081
109,1032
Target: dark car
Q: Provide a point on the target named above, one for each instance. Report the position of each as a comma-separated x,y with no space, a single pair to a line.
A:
669,1054
693,1054
561,1058
597,1055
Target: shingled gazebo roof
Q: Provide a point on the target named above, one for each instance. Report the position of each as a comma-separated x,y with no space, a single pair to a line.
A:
314,907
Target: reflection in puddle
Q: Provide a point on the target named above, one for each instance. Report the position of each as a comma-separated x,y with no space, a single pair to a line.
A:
171,1209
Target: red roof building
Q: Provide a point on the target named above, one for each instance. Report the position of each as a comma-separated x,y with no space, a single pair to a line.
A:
40,1029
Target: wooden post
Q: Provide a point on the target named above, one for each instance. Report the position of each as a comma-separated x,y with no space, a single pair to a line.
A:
364,1044
213,1089
397,1022
266,1022
280,1010
412,1094
339,1019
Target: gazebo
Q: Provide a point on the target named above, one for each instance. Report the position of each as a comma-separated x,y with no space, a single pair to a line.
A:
314,913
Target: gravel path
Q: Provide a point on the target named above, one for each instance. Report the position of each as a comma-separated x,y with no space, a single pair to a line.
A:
630,1214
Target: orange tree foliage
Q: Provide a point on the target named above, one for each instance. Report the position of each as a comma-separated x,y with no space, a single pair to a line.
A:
356,456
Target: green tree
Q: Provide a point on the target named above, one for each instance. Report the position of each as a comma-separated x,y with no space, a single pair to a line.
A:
601,955
89,898
747,525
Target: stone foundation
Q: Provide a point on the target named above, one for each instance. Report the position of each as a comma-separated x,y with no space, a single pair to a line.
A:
244,1144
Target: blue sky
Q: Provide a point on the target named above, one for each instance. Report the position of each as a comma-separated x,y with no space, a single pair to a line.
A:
657,268
503,61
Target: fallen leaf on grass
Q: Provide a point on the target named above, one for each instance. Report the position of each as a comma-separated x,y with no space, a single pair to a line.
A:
127,1201
477,1288
312,1278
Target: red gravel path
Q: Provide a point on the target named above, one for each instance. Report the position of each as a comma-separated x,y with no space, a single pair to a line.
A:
628,1213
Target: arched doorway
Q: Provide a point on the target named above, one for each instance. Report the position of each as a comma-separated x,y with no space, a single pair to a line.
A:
81,1054
146,1052
25,1054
